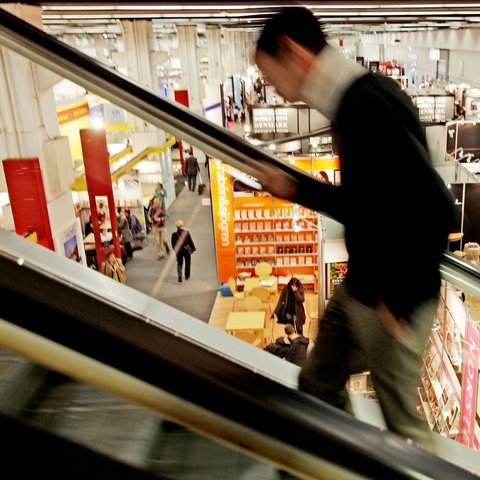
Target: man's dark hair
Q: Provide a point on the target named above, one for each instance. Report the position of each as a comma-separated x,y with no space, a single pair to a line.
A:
299,24
289,329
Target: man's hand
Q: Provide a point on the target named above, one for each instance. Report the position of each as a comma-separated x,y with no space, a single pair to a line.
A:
397,327
276,181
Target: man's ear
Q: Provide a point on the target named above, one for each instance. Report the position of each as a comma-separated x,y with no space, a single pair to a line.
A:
295,52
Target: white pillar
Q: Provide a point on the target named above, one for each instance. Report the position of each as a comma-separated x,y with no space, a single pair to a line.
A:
100,53
22,95
216,73
29,126
238,51
138,43
187,46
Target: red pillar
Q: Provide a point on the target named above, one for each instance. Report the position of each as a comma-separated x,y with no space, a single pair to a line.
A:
99,184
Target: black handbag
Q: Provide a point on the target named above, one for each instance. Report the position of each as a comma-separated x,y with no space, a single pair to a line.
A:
189,249
282,318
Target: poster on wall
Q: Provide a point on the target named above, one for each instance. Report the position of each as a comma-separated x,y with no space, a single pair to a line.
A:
70,243
336,272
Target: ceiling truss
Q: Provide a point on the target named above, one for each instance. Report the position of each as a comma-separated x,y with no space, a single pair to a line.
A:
340,17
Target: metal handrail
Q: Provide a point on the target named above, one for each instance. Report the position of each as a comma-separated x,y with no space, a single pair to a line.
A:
209,381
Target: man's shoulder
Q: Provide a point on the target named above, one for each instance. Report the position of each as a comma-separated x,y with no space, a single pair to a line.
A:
301,340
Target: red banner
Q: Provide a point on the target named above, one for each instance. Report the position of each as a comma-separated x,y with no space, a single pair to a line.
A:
27,198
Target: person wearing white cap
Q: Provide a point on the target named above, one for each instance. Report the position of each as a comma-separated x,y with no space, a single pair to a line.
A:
183,245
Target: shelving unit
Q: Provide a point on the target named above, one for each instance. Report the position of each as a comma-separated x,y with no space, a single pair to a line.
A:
439,391
440,387
321,144
434,108
272,230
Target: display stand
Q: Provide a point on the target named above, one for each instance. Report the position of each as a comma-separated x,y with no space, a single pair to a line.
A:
253,226
434,108
278,232
448,386
335,261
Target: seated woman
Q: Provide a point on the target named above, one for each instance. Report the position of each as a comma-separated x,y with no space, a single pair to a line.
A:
113,267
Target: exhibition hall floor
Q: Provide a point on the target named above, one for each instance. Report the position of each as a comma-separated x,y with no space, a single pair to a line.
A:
200,295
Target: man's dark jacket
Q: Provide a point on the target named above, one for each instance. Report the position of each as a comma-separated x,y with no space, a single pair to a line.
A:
396,209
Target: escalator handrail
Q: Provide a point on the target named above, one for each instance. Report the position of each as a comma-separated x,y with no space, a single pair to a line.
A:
134,334
460,273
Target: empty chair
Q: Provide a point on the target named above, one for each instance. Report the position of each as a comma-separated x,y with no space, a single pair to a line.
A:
252,304
236,294
308,317
263,269
264,295
255,338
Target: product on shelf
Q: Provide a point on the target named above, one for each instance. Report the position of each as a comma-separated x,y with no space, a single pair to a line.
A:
287,240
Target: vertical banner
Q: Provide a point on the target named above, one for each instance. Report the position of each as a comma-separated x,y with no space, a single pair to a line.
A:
181,96
222,208
99,184
27,198
469,384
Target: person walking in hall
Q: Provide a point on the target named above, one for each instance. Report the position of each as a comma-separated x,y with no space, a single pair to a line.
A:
182,244
378,318
290,307
158,217
113,267
192,169
125,233
161,192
